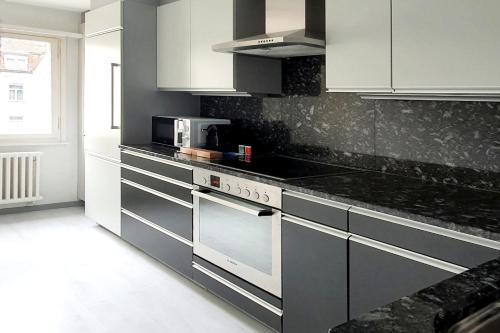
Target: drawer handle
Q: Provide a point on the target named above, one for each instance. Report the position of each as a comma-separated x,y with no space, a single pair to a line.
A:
234,204
316,226
158,228
446,266
239,290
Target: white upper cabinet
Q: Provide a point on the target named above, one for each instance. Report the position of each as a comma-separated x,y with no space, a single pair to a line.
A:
211,23
174,47
446,46
104,19
358,45
187,32
187,29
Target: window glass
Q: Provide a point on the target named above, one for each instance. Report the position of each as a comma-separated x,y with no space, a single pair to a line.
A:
28,68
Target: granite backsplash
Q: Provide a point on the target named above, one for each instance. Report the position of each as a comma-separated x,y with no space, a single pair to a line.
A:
448,142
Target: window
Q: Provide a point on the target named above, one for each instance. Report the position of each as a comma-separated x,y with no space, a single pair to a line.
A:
16,93
30,89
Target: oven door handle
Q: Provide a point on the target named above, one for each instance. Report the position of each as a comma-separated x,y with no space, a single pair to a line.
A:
233,203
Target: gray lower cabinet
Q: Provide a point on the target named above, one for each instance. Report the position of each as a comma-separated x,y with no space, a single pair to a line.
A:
158,245
314,276
379,275
176,217
409,235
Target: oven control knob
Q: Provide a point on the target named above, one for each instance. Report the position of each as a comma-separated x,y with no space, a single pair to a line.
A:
238,190
256,195
204,180
227,188
265,198
246,193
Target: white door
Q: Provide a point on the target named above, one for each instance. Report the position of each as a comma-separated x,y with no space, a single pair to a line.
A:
358,45
103,192
211,23
103,94
446,46
174,46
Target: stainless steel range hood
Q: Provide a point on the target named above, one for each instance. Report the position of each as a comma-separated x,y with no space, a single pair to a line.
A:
294,28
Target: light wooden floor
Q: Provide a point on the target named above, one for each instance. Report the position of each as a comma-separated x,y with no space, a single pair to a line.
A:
59,272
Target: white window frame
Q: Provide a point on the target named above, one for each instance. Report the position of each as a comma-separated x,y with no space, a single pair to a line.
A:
58,52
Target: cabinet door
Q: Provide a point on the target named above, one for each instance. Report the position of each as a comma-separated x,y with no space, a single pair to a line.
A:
446,46
314,276
211,23
102,106
358,45
380,274
103,19
174,49
102,192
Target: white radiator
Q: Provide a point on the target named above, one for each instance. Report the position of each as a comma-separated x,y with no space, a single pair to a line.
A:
19,177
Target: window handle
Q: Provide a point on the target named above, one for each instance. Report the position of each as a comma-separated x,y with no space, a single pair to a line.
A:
114,125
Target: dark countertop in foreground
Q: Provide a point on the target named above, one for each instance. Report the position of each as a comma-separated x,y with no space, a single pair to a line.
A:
473,212
434,309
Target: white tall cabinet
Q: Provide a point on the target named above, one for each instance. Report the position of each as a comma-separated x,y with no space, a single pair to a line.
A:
358,45
102,115
446,46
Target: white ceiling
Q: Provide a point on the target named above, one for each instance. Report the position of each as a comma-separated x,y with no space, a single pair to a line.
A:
73,5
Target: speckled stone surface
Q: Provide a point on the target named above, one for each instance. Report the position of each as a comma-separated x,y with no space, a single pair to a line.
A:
474,212
443,142
434,309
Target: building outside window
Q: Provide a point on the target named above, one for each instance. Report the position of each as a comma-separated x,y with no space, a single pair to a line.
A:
16,93
30,86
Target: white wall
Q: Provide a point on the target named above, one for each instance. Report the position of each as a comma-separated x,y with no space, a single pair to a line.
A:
38,17
59,174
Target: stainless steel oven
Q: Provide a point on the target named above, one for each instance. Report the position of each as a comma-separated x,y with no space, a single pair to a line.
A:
237,226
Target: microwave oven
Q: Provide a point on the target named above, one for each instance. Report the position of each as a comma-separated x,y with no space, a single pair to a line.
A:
180,132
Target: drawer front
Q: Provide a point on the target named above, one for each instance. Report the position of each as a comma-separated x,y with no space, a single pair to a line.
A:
378,277
228,291
163,168
435,245
262,294
165,187
160,246
317,210
162,212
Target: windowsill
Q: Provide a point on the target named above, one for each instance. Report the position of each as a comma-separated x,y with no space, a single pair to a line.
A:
23,144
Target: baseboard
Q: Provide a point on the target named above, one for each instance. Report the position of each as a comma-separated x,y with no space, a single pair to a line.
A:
25,209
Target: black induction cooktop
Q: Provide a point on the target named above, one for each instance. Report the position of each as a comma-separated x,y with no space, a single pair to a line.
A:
282,167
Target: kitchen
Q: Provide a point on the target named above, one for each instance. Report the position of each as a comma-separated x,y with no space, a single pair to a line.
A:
286,166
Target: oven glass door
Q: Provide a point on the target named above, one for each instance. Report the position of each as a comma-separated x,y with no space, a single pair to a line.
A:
241,237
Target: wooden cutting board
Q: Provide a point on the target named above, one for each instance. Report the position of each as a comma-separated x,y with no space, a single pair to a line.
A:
210,154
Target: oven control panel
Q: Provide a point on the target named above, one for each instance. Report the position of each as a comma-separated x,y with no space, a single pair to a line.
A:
239,187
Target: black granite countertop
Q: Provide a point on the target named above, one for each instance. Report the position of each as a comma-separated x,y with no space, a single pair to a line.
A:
470,211
434,309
